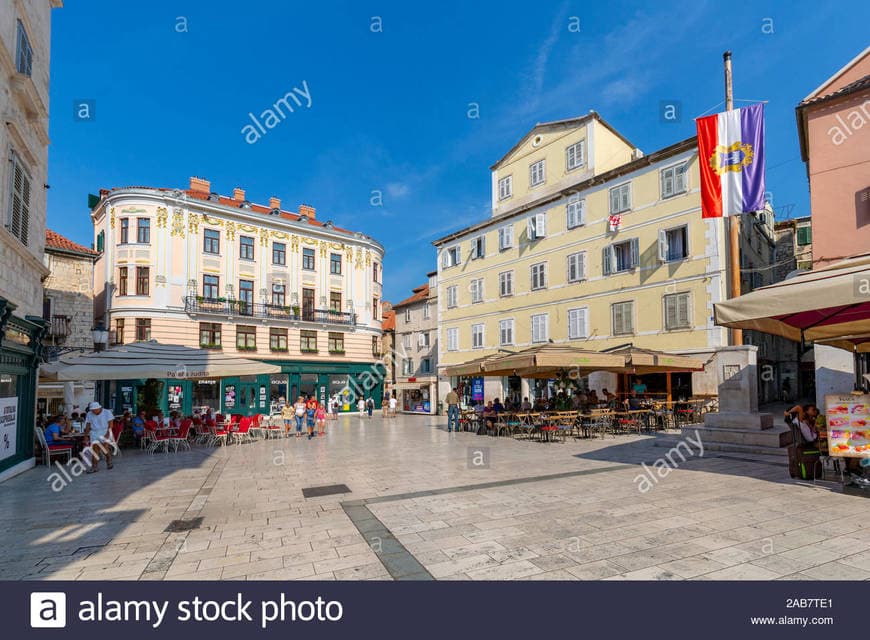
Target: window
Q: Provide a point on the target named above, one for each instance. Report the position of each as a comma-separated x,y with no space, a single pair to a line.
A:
677,311
505,187
335,303
575,155
804,235
476,290
477,336
279,253
143,230
505,238
336,342
246,248
209,335
308,259
122,281
478,247
620,198
101,241
537,226
335,264
537,173
308,341
506,284
143,280
246,297
125,230
622,256
673,244
376,308
577,324
453,339
376,272
674,180
407,314
308,304
540,327
451,296
278,339
143,329
426,312
279,297
576,211
19,217
539,276
376,347
211,241
426,365
623,318
23,52
577,266
406,341
506,332
246,337
452,257
210,287
119,331
423,340
407,366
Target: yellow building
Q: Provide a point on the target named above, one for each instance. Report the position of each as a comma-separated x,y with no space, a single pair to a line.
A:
552,264
196,268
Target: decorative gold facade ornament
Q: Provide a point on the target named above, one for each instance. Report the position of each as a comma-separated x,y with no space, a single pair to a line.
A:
112,217
310,241
249,228
349,252
162,216
213,221
294,242
359,257
177,223
193,223
324,248
280,235
231,230
264,237
368,258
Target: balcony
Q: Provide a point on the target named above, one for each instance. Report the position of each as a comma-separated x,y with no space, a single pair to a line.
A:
198,305
60,328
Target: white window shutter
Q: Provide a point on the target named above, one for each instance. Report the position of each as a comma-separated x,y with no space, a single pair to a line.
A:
474,248
581,266
582,323
541,224
607,260
635,253
530,228
683,310
581,211
663,245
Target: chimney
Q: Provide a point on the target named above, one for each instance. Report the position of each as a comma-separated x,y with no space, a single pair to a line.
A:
274,203
199,185
307,210
238,194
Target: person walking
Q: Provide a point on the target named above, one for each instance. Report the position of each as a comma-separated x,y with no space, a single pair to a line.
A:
452,401
361,407
310,413
370,407
320,416
393,404
287,414
101,440
299,414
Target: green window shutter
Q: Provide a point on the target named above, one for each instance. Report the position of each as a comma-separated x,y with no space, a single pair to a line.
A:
101,239
804,235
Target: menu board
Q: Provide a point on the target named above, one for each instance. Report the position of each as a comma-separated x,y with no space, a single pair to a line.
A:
848,421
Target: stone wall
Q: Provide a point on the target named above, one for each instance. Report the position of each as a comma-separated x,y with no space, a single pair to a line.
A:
69,286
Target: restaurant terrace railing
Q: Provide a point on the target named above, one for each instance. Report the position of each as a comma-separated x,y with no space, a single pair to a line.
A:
241,308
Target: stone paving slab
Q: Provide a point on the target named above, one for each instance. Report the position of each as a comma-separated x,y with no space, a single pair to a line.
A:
418,510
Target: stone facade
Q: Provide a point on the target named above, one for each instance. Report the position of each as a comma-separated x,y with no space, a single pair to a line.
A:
69,294
416,350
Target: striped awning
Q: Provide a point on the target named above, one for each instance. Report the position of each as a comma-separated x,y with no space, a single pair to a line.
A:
152,359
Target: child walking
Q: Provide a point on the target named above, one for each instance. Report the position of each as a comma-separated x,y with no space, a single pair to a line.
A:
320,416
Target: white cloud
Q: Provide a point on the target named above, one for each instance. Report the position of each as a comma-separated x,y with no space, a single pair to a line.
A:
398,189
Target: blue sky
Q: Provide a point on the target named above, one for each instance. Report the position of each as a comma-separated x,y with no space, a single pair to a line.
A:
173,83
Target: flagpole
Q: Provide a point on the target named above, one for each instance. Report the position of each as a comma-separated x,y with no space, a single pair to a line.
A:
733,219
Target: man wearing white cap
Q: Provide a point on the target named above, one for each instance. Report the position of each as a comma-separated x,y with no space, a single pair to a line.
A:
97,425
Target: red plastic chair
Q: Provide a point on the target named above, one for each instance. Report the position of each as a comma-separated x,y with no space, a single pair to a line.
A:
243,432
181,437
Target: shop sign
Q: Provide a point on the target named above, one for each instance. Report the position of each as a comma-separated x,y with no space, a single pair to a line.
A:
477,389
230,396
848,420
8,426
262,396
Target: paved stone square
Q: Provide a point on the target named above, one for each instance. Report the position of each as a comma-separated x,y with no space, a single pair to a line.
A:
426,504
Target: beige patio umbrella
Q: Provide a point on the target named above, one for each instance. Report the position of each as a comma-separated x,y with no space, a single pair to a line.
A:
472,367
823,304
642,361
857,343
548,359
152,359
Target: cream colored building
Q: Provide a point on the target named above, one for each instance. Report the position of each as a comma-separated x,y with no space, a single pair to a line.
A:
552,265
196,268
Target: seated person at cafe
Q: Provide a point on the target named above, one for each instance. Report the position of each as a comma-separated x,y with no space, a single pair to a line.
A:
638,387
593,398
497,406
138,425
526,405
806,417
489,415
609,398
579,400
632,403
56,429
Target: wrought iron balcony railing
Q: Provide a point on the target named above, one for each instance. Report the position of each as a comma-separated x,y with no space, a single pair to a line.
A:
240,308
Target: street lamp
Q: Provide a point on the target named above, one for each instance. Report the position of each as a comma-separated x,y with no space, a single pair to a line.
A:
101,337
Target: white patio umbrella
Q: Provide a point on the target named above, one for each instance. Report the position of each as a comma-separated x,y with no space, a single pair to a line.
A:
152,359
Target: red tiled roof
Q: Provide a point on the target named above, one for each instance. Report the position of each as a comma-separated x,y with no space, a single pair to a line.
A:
420,293
53,240
388,322
858,85
230,202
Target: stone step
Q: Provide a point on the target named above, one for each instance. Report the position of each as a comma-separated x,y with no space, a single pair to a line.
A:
743,421
765,454
775,437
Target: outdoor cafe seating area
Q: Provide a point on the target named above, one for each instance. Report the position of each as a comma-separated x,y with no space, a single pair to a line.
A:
222,430
593,422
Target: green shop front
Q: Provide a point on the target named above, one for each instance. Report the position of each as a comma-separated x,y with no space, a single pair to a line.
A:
253,394
20,355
